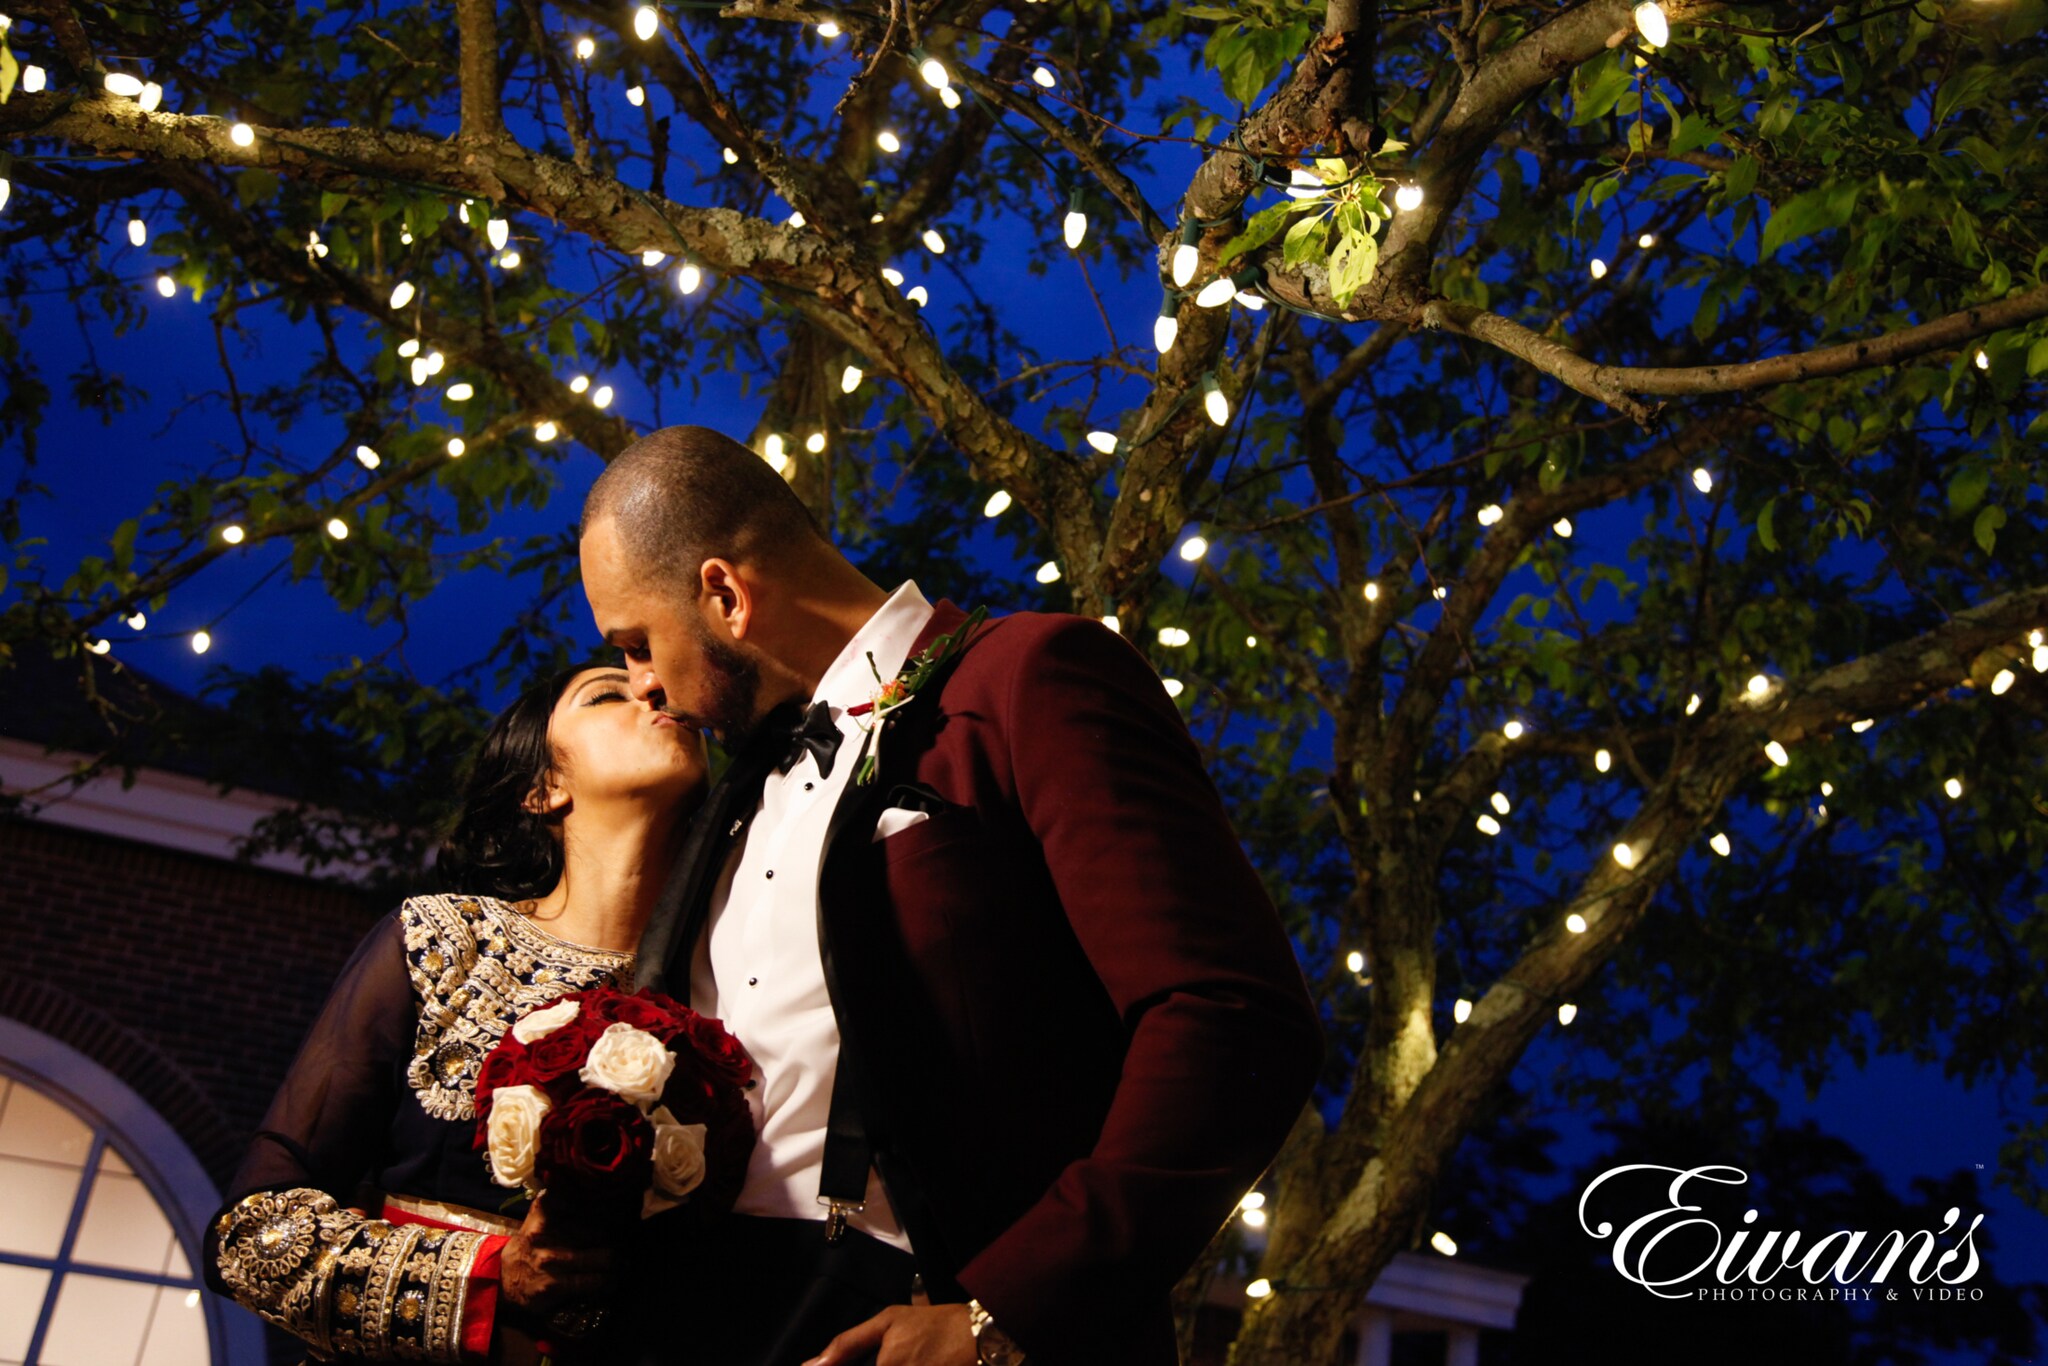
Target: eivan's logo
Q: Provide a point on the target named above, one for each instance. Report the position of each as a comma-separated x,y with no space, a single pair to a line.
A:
1661,1248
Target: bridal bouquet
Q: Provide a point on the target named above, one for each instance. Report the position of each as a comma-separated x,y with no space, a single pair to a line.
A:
619,1106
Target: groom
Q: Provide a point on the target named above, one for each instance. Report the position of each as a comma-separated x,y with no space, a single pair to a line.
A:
1025,1023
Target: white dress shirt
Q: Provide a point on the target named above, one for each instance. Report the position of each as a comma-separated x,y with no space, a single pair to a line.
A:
757,966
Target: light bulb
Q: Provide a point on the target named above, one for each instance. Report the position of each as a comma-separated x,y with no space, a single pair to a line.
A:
950,97
1372,592
1256,303
1194,547
586,48
1775,752
1575,922
771,449
1305,185
1172,636
1173,686
1074,228
1487,824
1499,802
828,30
1164,329
509,261
1254,1218
1603,760
202,641
138,232
934,243
1703,480
919,295
1513,730
152,95
1258,1289
1044,76
1113,624
893,276
1441,1241
499,232
1647,240
579,384
651,257
849,379
815,442
1954,788
1598,268
456,446
1758,685
122,84
730,157
401,294
646,22
242,135
603,397
1562,526
1692,704
1408,198
1490,514
888,141
1624,856
1720,845
6,187
1216,293
368,458
1567,1012
1461,1010
409,348
337,528
1215,402
420,370
232,534
1048,572
545,432
164,284
998,503
1187,257
636,95
33,79
137,621
1983,361
458,393
688,277
934,72
1651,23
1257,1199
1103,441
435,362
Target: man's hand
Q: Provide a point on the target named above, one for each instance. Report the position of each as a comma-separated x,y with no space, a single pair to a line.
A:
544,1268
905,1335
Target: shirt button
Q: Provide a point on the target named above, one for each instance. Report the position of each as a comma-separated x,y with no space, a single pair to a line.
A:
809,786
771,872
753,981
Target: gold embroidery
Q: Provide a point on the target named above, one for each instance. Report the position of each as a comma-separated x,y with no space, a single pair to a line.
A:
478,965
375,1289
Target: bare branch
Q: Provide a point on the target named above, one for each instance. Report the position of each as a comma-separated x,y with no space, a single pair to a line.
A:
476,24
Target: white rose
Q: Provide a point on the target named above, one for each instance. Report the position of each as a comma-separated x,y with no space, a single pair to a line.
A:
542,1023
629,1062
678,1155
516,1113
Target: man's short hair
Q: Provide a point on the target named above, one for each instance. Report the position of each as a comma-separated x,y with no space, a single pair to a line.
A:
683,495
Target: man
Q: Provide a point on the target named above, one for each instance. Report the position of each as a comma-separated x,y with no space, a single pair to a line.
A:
1025,1024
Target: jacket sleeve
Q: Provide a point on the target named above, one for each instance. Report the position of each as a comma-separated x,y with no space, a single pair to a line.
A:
286,1247
1223,1041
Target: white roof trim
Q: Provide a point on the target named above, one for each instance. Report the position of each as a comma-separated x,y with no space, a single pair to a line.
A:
169,810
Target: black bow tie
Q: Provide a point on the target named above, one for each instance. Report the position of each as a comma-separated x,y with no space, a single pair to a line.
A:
816,732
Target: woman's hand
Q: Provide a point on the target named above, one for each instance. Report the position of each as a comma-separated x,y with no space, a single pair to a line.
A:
542,1269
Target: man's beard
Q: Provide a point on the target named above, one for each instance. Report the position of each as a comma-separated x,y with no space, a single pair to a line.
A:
732,679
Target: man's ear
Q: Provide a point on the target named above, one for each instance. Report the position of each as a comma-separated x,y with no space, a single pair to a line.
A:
727,596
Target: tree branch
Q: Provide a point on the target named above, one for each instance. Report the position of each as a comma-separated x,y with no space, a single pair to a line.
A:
476,24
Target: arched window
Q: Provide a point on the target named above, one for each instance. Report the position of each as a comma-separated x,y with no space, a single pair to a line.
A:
101,1209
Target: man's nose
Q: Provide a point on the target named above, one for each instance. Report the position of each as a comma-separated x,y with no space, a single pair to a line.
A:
645,687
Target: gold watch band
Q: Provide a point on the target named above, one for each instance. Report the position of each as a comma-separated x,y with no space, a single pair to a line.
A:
992,1346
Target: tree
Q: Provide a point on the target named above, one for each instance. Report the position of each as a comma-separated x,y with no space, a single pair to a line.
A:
1768,281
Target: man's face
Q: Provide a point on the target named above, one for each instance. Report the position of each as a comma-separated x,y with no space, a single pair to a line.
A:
674,659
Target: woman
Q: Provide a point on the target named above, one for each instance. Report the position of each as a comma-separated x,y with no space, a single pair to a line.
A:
574,811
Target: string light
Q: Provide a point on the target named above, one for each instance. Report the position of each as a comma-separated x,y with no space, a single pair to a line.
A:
1408,198
1372,591
586,48
1720,844
499,232
456,446
730,157
1692,704
950,97
1221,290
688,278
1598,268
232,534
815,443
509,261
1487,824
1103,441
1513,730
100,647
1254,1217
636,95
138,231
1983,361
1624,856
579,384
337,528
934,72
164,284
828,30
368,458
1858,727
137,621
934,243
771,449
1174,687
1566,1013
603,397
1355,961
1113,623
998,503
651,257
1703,480
1075,226
1647,240
1461,1010
919,295
401,294
893,276
122,84
1776,753
459,392
1256,303
202,641
1442,1243
1575,922
6,188
850,378
646,22
1651,23
1173,636
1563,527
1187,257
1499,801
1602,760
1049,572
1305,185
420,370
1954,787
1193,549
1044,76
1490,514
1258,1289
1165,327
33,79
888,141
1758,685
1214,401
545,432
2041,659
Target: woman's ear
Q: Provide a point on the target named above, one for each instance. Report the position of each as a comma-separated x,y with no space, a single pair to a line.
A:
549,799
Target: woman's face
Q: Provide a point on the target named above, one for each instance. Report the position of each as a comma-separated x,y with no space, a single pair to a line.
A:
611,751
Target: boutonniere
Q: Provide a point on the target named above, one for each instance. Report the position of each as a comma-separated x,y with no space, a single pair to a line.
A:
896,693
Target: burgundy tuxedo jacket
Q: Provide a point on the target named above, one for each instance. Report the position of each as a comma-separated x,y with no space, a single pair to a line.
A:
1074,1025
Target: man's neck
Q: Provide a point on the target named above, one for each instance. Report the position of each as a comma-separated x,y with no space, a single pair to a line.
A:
817,620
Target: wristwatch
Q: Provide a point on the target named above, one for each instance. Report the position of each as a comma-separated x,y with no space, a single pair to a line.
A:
992,1346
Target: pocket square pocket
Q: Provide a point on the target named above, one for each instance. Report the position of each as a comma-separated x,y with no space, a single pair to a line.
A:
897,819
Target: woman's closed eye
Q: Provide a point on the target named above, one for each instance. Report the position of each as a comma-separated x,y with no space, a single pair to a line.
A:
606,695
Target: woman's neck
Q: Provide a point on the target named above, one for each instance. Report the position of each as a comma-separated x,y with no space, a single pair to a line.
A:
611,878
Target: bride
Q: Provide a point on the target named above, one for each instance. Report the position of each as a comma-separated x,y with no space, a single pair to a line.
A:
363,1219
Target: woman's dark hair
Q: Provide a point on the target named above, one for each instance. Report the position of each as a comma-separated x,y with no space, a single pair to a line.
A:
498,847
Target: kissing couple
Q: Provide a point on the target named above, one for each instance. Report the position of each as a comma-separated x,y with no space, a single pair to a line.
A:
1020,1024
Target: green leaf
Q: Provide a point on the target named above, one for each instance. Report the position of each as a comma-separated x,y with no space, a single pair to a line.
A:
1352,265
1304,241
2037,357
1815,210
1740,178
1258,230
1966,488
1764,532
1598,86
1989,520
332,202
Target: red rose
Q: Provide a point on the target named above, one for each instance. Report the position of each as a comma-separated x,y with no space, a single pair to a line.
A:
713,1042
561,1053
597,1150
507,1065
644,1012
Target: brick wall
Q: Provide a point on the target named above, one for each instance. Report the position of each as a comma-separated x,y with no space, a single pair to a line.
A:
190,978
